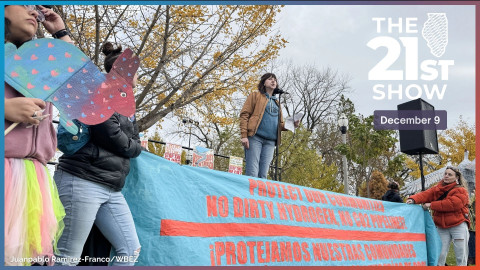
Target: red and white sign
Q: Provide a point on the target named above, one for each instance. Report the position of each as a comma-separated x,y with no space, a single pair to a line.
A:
143,140
203,157
173,152
236,165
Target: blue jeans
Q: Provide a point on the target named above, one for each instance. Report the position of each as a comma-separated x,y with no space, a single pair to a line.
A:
459,234
87,202
258,156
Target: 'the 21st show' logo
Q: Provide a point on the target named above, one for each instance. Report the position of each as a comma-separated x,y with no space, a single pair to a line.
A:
420,77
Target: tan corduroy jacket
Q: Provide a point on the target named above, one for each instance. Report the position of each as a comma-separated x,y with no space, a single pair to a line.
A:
252,113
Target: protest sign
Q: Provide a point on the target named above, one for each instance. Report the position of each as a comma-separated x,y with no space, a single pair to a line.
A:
222,219
173,152
203,157
236,165
143,139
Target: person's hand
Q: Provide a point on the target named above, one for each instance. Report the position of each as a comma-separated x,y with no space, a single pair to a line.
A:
426,206
410,201
296,123
53,22
245,143
24,110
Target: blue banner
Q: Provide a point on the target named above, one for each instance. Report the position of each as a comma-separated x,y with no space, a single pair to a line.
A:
192,216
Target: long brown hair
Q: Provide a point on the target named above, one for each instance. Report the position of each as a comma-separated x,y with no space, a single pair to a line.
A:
461,180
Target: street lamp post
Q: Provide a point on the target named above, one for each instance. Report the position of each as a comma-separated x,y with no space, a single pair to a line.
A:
189,155
343,124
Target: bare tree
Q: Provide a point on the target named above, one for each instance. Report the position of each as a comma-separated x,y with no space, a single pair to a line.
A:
315,93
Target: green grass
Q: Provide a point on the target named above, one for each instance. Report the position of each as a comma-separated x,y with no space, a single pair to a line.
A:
451,256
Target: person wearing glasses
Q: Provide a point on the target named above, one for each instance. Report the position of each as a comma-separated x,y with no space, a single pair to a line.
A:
449,202
33,211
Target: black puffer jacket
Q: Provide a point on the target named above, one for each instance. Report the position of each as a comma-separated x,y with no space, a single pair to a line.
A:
106,157
392,196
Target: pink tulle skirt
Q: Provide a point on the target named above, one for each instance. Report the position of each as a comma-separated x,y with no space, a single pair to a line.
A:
33,213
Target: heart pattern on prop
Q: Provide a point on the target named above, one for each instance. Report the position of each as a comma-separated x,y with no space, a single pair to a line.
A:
116,92
58,72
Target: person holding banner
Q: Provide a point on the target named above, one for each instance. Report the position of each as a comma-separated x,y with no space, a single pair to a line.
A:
90,183
259,125
449,202
33,211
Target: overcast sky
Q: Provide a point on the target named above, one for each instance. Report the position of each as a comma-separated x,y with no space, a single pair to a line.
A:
337,37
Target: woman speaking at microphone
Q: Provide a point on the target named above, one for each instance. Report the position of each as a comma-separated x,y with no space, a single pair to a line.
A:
259,126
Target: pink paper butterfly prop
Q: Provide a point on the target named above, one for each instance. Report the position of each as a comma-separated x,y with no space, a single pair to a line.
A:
58,72
116,92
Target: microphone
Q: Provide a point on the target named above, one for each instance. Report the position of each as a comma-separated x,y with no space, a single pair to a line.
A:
279,91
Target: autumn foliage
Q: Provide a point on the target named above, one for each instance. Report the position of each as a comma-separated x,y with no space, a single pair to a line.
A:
190,53
378,186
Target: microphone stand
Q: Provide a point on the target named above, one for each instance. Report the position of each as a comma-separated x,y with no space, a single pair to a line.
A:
278,135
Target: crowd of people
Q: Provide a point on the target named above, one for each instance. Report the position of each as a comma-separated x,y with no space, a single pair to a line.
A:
46,217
